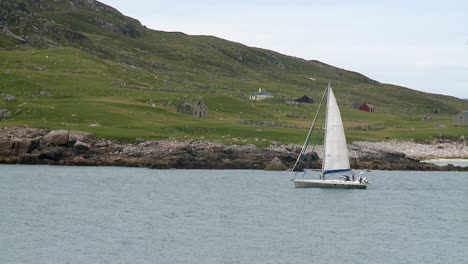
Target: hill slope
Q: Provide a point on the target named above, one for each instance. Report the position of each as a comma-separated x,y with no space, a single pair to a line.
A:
82,65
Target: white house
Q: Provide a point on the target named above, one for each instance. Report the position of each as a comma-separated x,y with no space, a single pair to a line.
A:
260,95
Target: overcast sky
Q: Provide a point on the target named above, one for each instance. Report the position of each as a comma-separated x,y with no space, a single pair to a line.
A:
422,45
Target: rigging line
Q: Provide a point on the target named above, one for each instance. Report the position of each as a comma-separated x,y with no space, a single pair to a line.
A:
313,150
300,160
304,147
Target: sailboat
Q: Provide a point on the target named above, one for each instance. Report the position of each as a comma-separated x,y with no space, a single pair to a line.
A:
336,171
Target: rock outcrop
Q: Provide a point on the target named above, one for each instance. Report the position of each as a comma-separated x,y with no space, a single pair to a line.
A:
81,145
276,165
62,147
75,136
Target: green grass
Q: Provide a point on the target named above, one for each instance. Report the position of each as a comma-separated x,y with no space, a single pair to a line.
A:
114,79
83,92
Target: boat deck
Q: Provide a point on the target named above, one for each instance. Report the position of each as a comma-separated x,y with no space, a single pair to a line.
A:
336,184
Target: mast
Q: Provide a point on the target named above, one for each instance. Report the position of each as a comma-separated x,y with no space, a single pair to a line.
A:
322,175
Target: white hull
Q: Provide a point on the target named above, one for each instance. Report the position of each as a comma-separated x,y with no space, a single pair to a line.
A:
336,184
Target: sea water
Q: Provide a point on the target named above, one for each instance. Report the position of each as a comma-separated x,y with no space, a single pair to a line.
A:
129,215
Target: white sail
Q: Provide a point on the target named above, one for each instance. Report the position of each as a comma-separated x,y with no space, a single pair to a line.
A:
336,158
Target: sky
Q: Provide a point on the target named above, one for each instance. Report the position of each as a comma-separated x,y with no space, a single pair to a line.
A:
421,45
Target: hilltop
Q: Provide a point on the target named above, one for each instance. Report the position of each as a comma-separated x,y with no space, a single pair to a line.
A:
82,65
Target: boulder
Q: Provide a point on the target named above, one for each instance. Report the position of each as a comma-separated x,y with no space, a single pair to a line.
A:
314,156
4,113
56,137
76,136
81,145
44,93
10,98
276,165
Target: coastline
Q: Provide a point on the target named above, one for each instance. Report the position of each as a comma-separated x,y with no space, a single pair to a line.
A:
446,160
22,145
434,149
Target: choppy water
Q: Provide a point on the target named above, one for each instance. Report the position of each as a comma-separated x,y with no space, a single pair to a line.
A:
127,215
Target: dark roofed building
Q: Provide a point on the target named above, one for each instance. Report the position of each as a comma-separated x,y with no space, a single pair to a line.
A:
304,99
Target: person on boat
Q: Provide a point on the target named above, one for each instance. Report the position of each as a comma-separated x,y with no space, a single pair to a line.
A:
360,179
353,178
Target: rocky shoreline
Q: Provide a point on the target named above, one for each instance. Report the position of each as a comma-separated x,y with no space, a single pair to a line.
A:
22,145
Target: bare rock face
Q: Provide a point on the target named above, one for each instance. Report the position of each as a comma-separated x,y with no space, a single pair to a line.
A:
5,147
57,137
24,145
18,146
54,153
81,145
276,165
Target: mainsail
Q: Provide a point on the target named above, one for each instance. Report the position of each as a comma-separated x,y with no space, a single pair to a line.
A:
336,158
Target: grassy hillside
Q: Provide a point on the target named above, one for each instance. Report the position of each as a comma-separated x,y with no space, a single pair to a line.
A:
81,65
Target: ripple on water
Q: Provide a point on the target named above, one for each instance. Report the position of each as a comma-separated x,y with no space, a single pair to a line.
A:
129,215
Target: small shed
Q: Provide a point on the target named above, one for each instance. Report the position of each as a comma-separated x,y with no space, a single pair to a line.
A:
461,119
304,99
367,107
